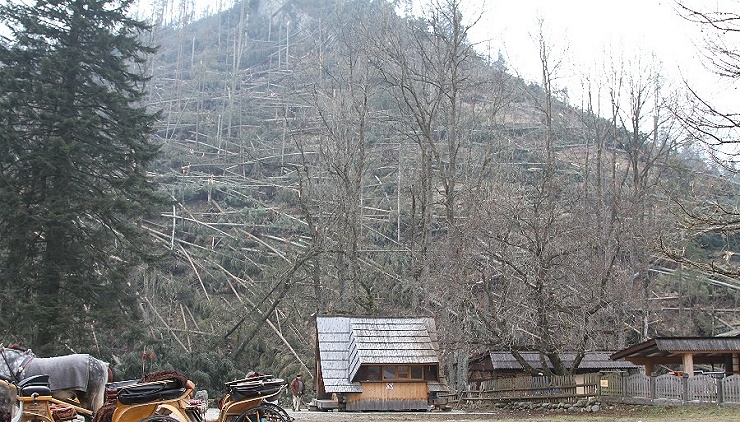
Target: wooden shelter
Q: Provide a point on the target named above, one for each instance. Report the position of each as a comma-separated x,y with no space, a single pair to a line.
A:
370,363
684,351
502,364
486,367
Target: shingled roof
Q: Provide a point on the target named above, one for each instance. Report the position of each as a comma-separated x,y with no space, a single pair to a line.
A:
346,343
670,349
596,360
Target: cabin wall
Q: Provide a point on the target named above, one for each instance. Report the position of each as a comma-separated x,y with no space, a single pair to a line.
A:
389,396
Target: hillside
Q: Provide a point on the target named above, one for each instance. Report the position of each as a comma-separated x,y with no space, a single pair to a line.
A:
335,158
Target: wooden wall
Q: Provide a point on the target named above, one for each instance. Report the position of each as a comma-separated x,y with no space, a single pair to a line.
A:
389,396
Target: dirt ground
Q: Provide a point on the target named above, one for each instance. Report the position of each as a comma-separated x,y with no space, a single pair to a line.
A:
620,413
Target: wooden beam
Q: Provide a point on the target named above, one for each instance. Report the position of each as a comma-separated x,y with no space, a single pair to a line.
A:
659,360
649,368
688,364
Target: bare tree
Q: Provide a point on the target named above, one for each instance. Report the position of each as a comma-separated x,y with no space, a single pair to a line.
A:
340,88
715,126
426,68
549,260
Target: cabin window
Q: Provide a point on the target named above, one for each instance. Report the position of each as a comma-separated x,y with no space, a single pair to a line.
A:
430,373
397,373
417,372
389,372
372,373
403,372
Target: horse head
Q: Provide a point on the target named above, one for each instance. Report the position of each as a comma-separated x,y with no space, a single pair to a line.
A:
13,360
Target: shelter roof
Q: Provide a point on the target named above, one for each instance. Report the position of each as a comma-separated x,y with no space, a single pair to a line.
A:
671,349
598,360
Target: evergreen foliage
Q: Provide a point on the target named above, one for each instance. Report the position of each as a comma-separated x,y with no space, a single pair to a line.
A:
73,181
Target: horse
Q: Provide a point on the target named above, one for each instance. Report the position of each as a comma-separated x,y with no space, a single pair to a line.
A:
79,376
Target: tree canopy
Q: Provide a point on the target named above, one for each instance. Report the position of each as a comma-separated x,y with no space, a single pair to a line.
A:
73,182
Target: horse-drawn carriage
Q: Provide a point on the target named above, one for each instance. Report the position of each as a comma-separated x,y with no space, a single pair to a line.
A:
158,397
36,404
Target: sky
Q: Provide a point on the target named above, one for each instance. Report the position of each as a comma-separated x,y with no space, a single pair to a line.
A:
585,32
586,27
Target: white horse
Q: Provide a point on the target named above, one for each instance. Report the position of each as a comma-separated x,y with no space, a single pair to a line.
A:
72,376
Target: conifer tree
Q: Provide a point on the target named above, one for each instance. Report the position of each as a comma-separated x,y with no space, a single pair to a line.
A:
74,149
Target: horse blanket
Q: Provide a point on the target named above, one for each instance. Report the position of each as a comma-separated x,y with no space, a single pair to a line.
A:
71,372
80,375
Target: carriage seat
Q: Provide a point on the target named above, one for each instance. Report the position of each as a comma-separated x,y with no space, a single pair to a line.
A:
112,388
37,384
254,388
150,391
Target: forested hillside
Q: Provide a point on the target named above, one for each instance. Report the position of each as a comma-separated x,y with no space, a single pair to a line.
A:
341,157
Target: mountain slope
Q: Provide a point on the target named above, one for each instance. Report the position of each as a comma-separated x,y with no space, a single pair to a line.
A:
333,157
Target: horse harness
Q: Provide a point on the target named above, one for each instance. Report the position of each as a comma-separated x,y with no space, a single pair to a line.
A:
17,373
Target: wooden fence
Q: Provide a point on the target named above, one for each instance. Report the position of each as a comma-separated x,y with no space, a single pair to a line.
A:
636,388
554,388
670,389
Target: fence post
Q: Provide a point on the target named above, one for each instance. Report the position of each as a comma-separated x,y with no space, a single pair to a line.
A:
623,382
653,393
684,388
720,391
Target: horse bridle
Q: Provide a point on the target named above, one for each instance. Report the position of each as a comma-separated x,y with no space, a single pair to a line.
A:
15,374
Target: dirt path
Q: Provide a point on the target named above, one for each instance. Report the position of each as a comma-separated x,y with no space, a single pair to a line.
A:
620,413
617,414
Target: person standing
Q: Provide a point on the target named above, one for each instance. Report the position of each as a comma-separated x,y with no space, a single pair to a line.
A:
297,388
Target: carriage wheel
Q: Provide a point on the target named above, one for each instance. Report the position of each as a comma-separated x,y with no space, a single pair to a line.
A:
266,412
159,418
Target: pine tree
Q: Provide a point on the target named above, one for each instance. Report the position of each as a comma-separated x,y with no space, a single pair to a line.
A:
74,149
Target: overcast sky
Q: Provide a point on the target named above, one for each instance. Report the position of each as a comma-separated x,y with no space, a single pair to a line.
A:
589,27
585,32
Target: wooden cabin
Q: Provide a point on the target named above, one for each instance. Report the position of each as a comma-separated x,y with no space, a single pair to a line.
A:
372,363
